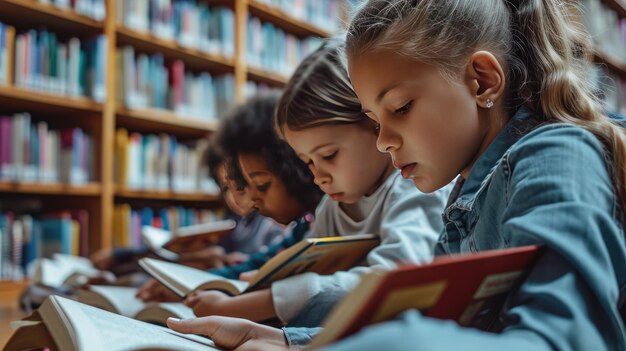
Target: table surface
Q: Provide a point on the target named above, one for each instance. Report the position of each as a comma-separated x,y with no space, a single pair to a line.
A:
9,310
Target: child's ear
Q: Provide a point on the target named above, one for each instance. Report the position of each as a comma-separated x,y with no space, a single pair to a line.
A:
486,78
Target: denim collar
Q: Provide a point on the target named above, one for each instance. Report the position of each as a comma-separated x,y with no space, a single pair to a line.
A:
519,125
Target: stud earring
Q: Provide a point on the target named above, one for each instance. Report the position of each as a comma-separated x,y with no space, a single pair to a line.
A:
489,103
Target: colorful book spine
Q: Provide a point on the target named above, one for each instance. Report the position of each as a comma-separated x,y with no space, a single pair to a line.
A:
161,163
147,82
128,221
271,48
73,68
325,14
7,37
30,152
95,9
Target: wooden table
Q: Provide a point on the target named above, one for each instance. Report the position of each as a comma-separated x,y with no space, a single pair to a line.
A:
9,310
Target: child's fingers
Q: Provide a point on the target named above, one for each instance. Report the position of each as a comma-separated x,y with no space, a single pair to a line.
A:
203,326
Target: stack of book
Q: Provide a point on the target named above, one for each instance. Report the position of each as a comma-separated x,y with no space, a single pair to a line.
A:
128,221
146,81
71,68
26,237
325,14
161,163
31,152
95,9
7,35
270,48
192,24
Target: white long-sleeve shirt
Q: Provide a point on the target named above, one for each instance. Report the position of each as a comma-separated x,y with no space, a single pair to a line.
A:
407,221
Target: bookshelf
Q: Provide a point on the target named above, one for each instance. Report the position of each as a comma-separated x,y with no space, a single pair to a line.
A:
100,194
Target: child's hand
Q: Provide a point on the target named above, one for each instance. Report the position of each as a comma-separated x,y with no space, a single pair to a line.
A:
207,303
102,259
233,333
247,276
255,306
153,291
236,257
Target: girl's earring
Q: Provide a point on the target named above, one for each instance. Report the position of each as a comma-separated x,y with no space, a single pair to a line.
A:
489,103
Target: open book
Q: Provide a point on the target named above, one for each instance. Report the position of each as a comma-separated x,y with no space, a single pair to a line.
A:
63,270
158,239
122,300
63,324
318,255
470,289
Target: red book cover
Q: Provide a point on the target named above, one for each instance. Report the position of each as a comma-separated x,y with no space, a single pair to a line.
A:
468,288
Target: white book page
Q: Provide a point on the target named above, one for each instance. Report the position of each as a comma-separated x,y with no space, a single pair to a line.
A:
97,329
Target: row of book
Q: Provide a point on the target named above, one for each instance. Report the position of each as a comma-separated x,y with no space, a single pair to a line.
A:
322,13
26,237
7,33
253,88
191,24
31,152
611,88
95,9
161,163
148,81
73,68
127,221
606,27
272,49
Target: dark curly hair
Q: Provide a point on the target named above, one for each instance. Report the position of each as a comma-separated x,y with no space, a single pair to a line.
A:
249,129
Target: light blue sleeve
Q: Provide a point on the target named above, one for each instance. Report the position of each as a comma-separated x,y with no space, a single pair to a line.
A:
561,196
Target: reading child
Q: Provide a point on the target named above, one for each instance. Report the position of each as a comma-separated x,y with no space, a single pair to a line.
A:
499,92
283,187
320,116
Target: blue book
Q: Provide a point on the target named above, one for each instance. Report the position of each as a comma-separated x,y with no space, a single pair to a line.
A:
56,236
147,216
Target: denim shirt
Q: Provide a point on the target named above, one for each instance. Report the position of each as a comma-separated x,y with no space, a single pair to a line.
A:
535,184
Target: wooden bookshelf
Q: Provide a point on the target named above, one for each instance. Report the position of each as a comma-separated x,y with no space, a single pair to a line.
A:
194,59
164,195
613,63
89,189
9,307
101,120
283,20
619,6
155,120
32,13
270,78
34,100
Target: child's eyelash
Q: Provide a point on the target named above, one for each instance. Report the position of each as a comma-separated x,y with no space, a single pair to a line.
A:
404,109
263,187
330,157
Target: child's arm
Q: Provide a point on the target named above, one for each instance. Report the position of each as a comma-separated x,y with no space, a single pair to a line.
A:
408,230
233,333
255,306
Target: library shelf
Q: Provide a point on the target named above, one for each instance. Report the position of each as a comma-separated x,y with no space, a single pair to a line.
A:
283,20
613,63
194,59
33,100
162,121
32,13
267,77
166,195
89,189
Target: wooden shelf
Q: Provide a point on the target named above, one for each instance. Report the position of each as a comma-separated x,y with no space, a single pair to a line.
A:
38,101
283,20
156,120
90,189
194,59
31,13
164,195
263,76
613,63
619,6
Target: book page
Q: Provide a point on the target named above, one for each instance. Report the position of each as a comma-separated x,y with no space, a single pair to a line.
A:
96,329
121,297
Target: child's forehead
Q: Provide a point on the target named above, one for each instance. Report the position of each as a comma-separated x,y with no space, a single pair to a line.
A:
254,163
